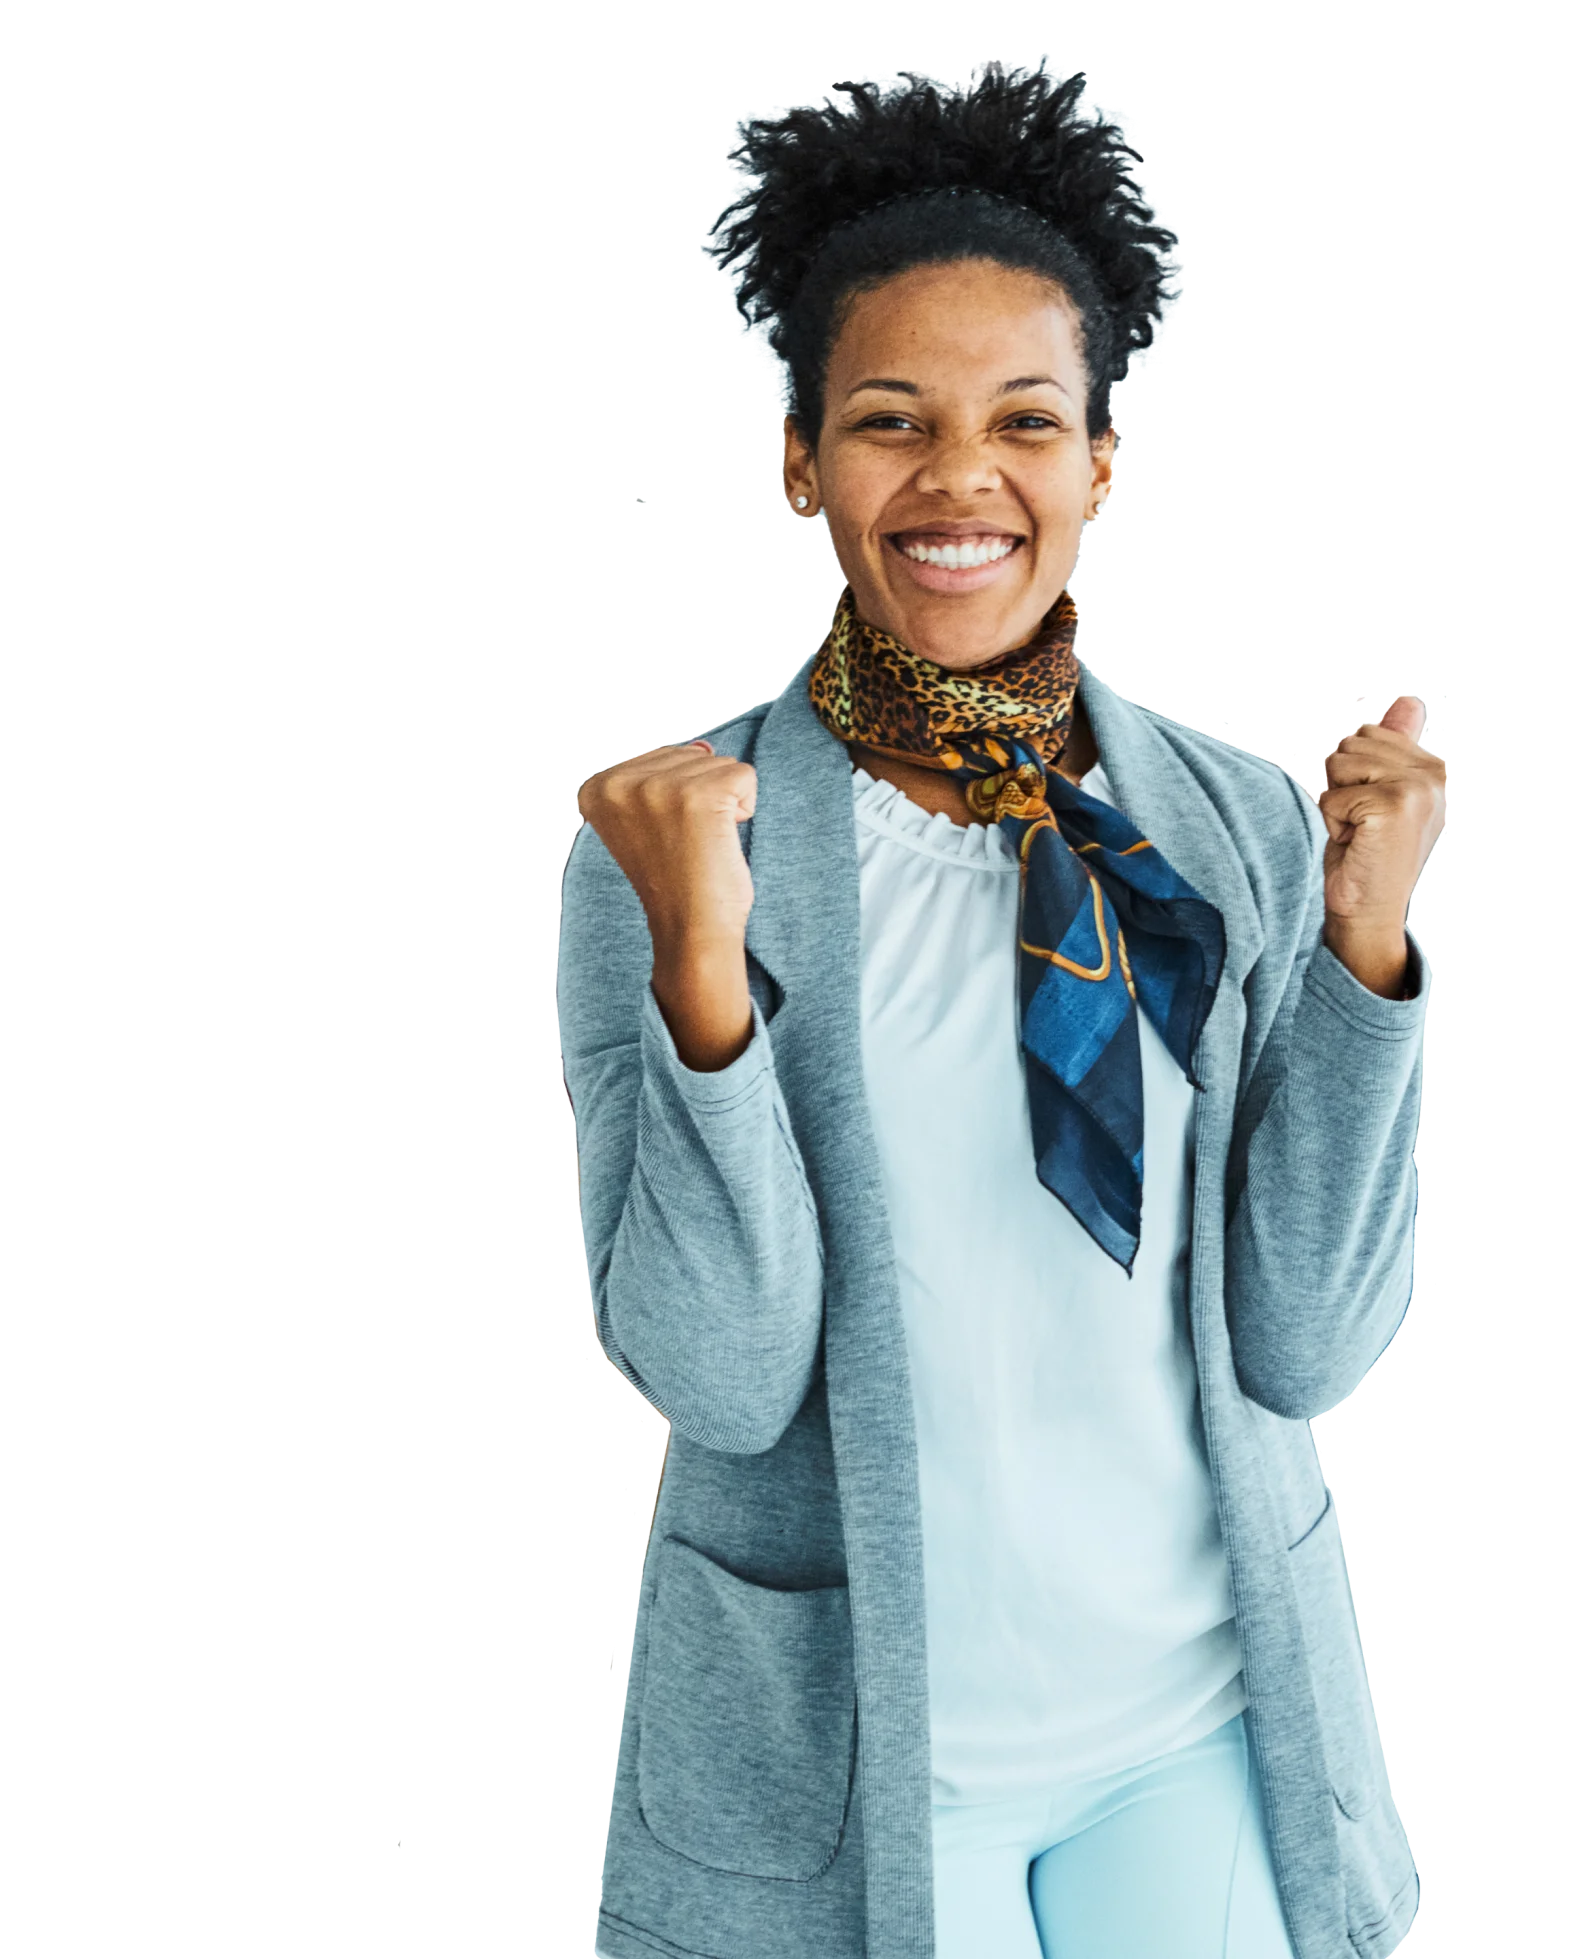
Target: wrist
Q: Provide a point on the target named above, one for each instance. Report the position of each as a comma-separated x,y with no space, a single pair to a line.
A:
1375,952
695,954
702,988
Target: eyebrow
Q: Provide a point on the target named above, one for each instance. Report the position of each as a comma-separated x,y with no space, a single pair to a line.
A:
1015,386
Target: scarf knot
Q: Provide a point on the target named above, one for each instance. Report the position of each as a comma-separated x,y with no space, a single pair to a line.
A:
1019,791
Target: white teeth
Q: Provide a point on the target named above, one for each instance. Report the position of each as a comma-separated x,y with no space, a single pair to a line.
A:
958,557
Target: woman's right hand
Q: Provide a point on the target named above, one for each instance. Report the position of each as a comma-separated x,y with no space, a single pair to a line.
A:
670,820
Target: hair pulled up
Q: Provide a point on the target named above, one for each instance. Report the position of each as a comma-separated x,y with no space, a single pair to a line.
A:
846,196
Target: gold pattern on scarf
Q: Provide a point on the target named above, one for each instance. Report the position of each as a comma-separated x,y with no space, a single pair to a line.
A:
1047,953
1124,965
1020,792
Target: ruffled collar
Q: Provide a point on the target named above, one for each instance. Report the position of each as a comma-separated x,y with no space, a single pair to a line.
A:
883,807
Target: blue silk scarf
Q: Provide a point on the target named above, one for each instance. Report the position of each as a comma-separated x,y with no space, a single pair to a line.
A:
1106,924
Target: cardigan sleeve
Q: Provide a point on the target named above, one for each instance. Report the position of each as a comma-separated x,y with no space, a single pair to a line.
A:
1323,1182
705,1255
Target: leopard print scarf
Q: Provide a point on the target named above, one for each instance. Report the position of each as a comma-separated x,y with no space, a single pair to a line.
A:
1086,874
867,687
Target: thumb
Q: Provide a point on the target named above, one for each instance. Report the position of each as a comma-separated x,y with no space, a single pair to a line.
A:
1407,716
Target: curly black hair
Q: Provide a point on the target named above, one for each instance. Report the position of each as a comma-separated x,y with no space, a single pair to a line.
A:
847,196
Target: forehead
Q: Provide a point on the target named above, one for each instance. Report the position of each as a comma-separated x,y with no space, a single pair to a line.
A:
968,322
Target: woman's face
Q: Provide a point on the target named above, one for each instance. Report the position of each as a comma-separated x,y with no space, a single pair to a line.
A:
955,426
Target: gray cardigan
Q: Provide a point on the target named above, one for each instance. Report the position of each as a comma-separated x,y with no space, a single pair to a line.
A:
773,1779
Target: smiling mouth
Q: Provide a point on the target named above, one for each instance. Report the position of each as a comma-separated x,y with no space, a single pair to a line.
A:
952,562
896,539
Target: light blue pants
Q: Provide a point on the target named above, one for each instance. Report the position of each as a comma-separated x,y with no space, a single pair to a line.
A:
1168,1861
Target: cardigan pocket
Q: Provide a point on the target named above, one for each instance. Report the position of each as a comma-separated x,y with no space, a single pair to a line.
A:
1338,1671
746,1719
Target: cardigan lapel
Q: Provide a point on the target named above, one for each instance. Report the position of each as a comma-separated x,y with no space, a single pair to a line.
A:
1156,788
804,921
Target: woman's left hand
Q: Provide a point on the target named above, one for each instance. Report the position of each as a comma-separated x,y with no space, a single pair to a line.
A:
1386,806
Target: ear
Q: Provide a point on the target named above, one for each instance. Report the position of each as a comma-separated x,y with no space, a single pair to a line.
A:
1102,449
798,471
794,443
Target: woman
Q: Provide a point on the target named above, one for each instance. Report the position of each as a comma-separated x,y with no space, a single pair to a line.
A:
995,1108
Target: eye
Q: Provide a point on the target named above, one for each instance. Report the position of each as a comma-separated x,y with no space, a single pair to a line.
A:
1034,421
878,420
885,422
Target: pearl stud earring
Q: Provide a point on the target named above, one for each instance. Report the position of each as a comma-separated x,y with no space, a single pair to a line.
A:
800,502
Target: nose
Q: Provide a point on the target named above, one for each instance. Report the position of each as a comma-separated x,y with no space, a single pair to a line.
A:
958,468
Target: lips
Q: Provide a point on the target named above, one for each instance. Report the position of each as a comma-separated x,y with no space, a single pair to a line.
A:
957,578
955,560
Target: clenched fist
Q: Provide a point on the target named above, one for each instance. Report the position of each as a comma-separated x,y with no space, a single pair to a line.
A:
670,818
